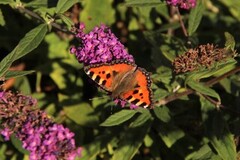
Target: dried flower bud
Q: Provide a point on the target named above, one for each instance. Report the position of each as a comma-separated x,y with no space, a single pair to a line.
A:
201,56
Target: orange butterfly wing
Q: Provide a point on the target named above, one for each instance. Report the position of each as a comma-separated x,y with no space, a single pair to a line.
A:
103,74
141,95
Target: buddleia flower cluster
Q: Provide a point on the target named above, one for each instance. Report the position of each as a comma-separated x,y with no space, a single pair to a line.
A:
99,46
185,4
43,138
201,56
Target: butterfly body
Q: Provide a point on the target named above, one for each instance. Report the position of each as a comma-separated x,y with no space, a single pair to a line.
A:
124,80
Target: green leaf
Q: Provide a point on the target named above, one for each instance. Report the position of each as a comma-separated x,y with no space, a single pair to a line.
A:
2,20
119,118
230,42
164,75
98,102
141,119
18,144
37,3
206,108
163,10
195,17
82,114
213,122
60,72
201,88
130,142
29,42
205,152
145,14
148,141
227,85
22,84
217,130
170,133
162,113
46,101
225,145
14,74
6,1
218,69
58,48
91,150
102,14
3,149
58,76
233,7
66,20
143,3
64,5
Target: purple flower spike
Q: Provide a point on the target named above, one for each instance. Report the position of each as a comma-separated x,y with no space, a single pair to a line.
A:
185,4
43,138
120,102
6,133
132,106
123,103
99,46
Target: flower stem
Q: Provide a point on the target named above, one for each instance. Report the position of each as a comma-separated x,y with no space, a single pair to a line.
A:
181,22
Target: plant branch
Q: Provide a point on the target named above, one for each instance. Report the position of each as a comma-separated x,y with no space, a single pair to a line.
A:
33,14
181,22
217,79
171,20
190,91
216,103
220,106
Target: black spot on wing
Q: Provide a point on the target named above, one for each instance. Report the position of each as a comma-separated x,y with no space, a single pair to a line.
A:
103,72
135,101
104,82
128,98
135,91
108,75
91,73
97,79
143,104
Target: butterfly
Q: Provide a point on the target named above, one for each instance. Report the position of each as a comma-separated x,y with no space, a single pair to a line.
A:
123,80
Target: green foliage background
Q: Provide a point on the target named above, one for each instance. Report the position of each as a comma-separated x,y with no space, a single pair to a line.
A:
35,33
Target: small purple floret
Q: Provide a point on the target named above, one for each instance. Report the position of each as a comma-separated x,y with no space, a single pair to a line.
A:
123,103
6,133
185,4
